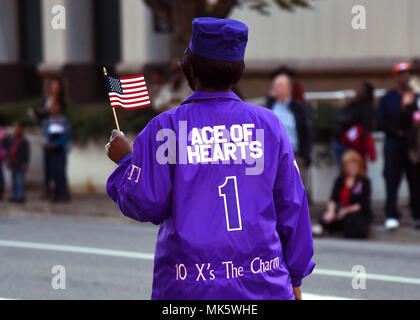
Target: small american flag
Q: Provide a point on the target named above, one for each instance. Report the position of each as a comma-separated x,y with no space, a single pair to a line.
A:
127,92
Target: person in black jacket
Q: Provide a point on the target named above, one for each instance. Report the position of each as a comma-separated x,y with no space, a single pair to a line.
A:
296,118
396,161
360,111
349,208
18,160
410,125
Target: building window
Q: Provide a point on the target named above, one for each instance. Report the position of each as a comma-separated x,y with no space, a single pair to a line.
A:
107,31
30,31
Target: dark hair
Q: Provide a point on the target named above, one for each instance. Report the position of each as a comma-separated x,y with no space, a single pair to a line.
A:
369,90
283,70
214,74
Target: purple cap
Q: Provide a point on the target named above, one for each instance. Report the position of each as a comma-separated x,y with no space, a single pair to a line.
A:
219,39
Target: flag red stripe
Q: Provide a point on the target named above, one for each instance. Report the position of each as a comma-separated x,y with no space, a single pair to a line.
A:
133,82
131,103
129,99
132,77
112,99
134,106
135,94
130,95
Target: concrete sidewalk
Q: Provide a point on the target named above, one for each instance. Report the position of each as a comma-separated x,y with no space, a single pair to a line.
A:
100,206
80,206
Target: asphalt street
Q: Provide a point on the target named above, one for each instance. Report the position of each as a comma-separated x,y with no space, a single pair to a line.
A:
114,260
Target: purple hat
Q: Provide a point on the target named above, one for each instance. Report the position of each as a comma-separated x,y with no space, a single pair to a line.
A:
219,39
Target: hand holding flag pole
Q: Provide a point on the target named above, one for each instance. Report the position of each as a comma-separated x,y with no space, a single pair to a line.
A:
113,108
127,93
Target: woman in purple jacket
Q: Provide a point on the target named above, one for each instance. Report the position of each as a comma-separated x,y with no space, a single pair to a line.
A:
219,176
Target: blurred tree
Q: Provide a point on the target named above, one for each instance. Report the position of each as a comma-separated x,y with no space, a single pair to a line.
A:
178,14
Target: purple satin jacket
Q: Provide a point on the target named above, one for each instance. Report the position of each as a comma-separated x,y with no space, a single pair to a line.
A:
219,177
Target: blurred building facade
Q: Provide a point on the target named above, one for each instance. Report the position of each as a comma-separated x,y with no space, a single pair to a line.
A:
119,34
125,36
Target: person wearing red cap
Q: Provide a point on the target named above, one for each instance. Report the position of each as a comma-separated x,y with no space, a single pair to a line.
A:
401,67
410,123
396,152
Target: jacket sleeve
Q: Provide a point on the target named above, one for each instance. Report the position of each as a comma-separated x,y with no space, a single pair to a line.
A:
406,117
383,121
335,194
367,115
41,113
140,186
293,222
366,197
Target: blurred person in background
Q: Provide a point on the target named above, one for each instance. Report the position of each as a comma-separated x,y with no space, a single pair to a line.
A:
55,92
295,117
349,208
396,149
155,85
174,92
3,154
18,160
298,92
354,125
57,138
415,76
410,124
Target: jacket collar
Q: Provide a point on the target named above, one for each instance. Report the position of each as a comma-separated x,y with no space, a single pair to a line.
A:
204,95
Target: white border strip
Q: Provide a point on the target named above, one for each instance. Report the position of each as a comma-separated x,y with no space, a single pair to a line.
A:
313,296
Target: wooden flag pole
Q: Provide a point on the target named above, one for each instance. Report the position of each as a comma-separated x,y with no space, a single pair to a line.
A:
113,109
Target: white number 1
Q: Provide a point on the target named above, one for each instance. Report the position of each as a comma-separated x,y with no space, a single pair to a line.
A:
229,191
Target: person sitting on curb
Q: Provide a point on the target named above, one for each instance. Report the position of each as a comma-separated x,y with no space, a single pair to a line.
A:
349,208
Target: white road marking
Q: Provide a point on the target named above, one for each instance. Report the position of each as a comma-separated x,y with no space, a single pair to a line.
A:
375,246
76,249
369,276
150,256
